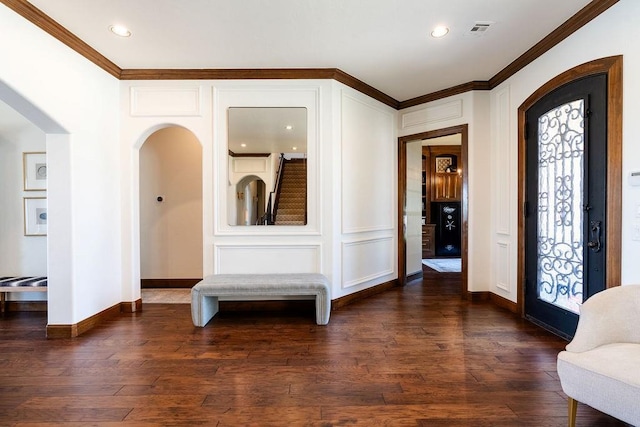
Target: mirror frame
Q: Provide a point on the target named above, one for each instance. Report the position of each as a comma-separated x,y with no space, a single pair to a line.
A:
255,95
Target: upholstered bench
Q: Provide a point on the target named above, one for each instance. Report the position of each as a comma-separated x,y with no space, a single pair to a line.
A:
238,287
20,284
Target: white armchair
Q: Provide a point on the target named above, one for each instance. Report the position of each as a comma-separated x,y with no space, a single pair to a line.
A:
601,365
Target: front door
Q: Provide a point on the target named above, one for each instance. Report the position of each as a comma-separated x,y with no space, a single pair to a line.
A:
565,202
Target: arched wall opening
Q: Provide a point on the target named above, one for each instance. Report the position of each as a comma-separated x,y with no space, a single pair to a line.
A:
250,200
170,200
25,128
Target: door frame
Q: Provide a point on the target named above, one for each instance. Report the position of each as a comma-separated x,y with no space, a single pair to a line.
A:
612,67
463,130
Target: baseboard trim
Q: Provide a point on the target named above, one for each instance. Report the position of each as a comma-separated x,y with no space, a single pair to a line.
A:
504,303
415,276
72,331
495,299
168,283
25,306
131,306
360,295
478,296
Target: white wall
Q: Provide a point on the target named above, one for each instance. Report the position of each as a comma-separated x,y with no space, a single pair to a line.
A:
21,255
365,192
613,33
76,104
414,207
171,230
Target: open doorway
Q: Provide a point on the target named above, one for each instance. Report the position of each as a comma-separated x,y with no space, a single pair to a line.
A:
442,218
23,213
171,241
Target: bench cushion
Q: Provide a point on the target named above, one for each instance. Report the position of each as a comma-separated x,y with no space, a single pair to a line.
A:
20,282
259,284
204,295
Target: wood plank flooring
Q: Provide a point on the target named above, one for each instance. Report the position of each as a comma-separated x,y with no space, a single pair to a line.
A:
412,356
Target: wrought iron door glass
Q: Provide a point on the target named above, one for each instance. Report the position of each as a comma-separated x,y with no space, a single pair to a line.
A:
561,159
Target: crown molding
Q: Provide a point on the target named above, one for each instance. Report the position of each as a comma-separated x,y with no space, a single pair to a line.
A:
257,74
46,23
570,26
434,96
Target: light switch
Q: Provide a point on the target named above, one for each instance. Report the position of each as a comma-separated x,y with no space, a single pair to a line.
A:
636,231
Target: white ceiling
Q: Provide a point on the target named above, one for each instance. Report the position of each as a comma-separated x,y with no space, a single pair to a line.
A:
384,43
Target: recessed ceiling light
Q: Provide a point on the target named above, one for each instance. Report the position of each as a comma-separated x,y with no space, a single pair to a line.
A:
288,127
120,30
439,31
294,148
243,145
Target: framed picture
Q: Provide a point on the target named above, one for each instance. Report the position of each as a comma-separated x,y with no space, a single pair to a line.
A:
35,171
442,163
35,216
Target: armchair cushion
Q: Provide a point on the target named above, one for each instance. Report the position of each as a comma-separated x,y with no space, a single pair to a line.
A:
601,365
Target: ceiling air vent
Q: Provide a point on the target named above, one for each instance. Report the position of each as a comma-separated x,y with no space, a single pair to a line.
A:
479,28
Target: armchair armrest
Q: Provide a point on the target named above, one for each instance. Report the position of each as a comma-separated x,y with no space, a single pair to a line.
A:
610,316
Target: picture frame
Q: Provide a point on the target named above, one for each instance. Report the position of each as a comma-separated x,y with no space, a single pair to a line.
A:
34,166
442,163
35,216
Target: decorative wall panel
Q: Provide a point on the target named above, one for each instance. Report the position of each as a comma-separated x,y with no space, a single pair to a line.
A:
502,266
433,114
502,162
235,259
366,259
368,162
165,101
249,165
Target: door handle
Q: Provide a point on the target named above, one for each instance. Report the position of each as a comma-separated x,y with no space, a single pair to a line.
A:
595,243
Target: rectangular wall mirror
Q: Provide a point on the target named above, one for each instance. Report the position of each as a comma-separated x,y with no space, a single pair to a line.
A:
267,166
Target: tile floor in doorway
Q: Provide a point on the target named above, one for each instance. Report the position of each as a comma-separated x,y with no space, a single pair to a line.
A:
166,296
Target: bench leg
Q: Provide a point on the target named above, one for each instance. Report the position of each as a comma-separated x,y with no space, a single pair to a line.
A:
323,309
203,308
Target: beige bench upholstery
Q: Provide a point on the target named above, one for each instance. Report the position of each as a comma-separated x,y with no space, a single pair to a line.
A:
237,287
601,365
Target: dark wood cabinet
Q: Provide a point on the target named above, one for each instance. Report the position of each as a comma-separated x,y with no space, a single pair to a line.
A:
428,241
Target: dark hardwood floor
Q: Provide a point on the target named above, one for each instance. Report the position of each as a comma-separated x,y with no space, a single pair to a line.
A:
412,356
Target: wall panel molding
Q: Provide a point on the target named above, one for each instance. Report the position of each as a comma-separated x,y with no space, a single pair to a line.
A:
366,147
503,160
267,258
503,269
432,114
165,101
366,259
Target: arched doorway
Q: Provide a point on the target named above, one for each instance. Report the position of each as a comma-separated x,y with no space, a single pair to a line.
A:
533,210
250,200
171,237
